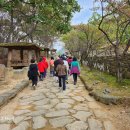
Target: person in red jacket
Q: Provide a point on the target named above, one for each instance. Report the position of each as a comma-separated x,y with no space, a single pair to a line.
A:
41,68
46,66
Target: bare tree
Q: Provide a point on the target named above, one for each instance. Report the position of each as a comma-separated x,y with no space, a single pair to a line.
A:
121,21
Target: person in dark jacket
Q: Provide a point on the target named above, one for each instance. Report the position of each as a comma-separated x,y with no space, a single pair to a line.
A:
56,63
33,73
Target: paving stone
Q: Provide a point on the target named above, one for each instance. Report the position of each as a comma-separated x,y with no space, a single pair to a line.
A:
54,101
39,122
21,112
78,98
25,103
57,113
24,96
82,115
71,94
6,119
71,101
22,126
63,97
33,98
77,125
95,124
61,121
18,119
51,96
100,114
45,90
63,106
72,111
46,107
4,126
70,86
54,90
67,91
108,125
81,85
41,102
78,90
36,113
23,107
81,107
27,118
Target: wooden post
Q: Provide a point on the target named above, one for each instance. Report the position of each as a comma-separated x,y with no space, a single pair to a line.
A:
29,56
9,57
36,53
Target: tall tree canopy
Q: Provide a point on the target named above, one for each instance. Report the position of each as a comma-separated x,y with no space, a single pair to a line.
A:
20,19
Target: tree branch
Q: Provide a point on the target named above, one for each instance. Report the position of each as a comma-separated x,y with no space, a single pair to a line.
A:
99,26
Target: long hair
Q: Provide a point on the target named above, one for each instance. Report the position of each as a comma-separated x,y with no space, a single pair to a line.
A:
74,59
32,60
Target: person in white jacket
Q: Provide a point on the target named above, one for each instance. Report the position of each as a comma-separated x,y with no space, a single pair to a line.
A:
67,66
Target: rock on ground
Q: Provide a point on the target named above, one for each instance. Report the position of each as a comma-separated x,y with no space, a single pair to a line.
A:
39,122
4,126
61,121
22,126
77,125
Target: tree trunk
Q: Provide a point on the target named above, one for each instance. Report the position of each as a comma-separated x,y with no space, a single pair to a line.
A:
118,65
81,59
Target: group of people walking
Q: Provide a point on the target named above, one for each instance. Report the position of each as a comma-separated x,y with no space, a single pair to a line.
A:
37,70
60,68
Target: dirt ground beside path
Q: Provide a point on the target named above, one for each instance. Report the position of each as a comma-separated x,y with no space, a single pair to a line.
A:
8,85
119,115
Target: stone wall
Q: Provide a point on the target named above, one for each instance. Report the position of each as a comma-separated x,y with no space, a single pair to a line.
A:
108,64
8,73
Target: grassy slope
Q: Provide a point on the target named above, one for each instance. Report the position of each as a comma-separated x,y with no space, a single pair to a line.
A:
100,81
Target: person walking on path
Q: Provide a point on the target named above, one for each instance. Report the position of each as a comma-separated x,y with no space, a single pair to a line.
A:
75,69
67,66
41,68
69,60
52,66
62,72
46,66
56,63
33,73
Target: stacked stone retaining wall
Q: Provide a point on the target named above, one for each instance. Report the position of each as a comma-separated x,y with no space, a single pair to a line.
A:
10,73
108,64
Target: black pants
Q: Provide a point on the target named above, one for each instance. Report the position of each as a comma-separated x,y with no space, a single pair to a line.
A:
34,80
75,77
62,81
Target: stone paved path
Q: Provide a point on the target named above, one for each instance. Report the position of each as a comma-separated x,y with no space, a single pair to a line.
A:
48,108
